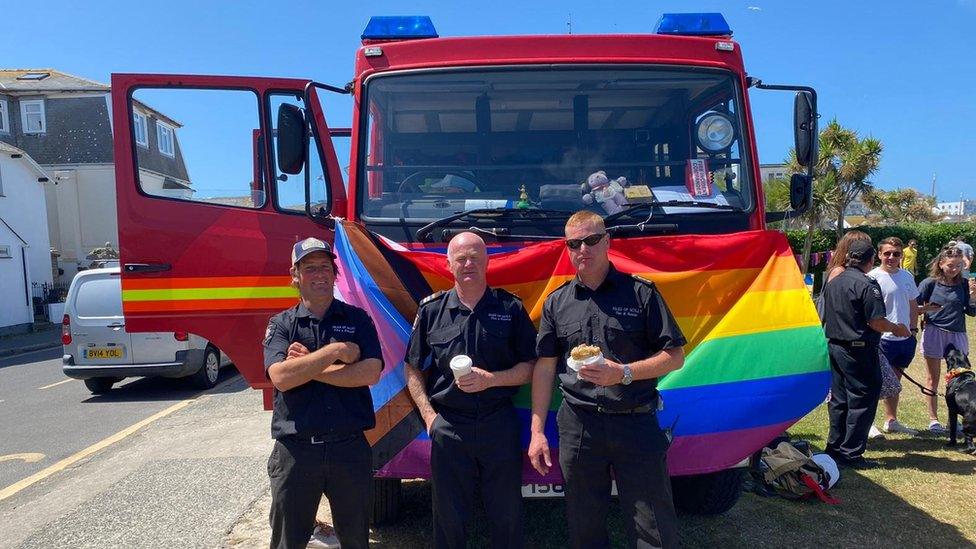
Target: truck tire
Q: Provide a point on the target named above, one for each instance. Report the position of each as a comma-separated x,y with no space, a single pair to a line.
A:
100,385
386,501
206,377
708,494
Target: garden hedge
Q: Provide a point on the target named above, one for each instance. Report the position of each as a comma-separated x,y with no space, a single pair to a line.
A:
931,238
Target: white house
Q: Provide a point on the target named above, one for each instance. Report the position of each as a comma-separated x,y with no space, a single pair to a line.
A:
25,245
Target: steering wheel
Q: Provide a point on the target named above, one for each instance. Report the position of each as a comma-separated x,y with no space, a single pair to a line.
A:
410,184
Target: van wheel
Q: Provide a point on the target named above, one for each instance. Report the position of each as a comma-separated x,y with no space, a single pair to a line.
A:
99,385
206,376
709,494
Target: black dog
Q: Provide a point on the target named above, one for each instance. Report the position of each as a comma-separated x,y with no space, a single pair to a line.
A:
961,397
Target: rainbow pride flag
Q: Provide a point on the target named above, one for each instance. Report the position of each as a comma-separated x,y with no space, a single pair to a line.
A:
756,359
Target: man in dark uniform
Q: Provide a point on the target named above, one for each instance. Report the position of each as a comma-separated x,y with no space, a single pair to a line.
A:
608,417
854,319
321,355
474,430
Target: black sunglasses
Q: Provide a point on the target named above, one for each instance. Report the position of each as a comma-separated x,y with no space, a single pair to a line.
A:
592,240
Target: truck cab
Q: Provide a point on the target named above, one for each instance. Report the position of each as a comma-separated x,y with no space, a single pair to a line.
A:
503,135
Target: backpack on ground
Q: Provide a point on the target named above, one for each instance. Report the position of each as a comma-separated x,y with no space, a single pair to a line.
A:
794,474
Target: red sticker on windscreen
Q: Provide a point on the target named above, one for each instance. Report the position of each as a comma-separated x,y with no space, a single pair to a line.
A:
697,179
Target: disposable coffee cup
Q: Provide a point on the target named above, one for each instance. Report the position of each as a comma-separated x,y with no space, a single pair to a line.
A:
461,365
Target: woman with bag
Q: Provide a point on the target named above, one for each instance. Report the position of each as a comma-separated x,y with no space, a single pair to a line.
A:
949,297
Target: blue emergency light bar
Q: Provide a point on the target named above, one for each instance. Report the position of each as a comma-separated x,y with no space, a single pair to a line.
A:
399,27
693,24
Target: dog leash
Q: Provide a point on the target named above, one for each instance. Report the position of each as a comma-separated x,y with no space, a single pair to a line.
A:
925,390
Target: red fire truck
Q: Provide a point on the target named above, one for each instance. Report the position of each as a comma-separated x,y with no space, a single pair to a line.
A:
217,177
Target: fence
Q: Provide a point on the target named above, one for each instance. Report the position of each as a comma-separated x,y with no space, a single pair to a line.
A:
47,292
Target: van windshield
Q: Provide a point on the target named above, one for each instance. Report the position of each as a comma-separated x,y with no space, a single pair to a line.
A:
444,142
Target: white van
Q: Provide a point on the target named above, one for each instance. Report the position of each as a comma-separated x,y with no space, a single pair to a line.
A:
98,350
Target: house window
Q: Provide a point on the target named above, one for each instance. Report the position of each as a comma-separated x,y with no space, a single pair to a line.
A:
32,116
4,118
5,252
140,129
164,139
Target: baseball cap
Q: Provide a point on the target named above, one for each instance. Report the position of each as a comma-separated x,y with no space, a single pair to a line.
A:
861,250
309,246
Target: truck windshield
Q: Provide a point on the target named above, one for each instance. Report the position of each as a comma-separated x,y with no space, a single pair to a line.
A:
444,142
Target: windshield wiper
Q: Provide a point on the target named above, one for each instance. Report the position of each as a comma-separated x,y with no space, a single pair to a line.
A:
668,204
424,233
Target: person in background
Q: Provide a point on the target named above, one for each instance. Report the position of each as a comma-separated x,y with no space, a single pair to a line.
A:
909,258
854,319
947,296
967,255
838,260
899,292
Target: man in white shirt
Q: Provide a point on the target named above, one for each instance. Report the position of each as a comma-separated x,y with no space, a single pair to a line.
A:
899,292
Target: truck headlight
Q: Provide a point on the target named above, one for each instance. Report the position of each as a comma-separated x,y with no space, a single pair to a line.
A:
715,131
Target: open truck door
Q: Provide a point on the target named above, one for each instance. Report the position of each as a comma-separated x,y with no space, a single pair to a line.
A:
207,217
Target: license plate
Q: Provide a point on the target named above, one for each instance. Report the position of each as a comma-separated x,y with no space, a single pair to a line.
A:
542,490
553,490
103,353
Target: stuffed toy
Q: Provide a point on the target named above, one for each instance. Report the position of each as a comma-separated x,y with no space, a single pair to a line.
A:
608,194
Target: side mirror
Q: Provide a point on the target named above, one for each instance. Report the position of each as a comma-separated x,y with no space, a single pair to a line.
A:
292,139
801,193
804,128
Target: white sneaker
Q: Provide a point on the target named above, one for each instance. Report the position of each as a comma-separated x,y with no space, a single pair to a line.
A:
875,433
895,426
936,428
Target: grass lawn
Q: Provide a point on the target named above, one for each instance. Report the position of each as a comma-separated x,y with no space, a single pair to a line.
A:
923,496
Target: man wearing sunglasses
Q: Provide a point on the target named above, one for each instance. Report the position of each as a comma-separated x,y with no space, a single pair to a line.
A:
608,417
899,291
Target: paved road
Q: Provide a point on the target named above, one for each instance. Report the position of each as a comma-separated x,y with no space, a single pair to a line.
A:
181,479
46,417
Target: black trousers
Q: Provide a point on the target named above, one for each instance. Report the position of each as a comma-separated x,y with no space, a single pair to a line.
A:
633,447
471,452
855,386
301,472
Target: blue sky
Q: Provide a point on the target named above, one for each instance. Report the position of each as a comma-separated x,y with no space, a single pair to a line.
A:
903,72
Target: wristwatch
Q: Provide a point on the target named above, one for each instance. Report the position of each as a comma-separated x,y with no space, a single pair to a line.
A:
628,375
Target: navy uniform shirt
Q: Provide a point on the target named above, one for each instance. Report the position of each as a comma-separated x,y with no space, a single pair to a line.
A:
497,335
626,317
851,299
317,408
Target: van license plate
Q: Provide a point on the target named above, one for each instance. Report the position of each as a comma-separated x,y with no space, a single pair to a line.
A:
105,352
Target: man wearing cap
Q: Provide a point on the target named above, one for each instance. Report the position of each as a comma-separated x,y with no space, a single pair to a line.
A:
321,355
474,431
608,417
854,319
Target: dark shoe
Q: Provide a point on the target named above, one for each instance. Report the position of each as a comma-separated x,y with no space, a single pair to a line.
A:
860,463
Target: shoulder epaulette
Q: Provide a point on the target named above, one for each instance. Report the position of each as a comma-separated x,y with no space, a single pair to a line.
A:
640,278
432,297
